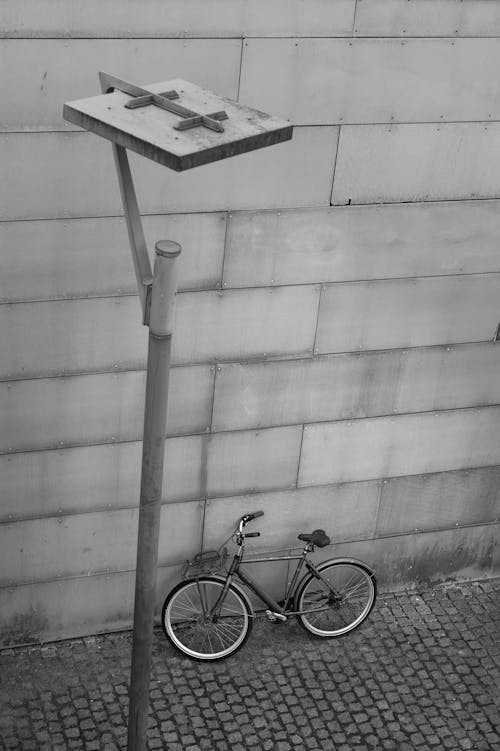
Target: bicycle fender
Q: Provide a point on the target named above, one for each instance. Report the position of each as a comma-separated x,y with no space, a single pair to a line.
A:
328,562
347,560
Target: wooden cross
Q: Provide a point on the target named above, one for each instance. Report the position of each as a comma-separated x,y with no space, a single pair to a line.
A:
143,97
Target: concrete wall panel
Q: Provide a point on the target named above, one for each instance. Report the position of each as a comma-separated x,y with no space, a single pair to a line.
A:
40,70
252,461
65,608
87,544
245,323
425,162
319,81
91,258
442,500
106,334
365,384
346,512
361,242
421,559
408,313
177,18
49,413
70,336
40,483
381,447
82,180
450,18
92,478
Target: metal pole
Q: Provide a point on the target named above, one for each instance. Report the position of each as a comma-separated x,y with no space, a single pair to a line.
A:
155,416
140,257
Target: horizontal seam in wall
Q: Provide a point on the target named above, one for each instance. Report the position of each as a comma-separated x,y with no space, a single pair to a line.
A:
467,199
293,207
351,482
87,374
330,124
325,283
41,131
400,477
121,217
381,415
237,212
348,36
193,38
111,572
108,295
303,355
412,533
64,446
261,210
244,494
105,572
420,37
375,124
180,37
257,360
286,285
95,510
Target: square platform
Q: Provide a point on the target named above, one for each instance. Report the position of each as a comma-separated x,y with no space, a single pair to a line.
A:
150,130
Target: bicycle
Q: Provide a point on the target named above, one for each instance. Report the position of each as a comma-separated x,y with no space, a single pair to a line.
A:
208,616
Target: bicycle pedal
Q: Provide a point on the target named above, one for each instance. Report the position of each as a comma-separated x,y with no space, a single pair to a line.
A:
273,617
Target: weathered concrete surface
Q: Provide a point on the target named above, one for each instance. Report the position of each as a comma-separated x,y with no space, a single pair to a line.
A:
420,674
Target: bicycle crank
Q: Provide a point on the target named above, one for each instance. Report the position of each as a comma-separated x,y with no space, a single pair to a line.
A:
273,617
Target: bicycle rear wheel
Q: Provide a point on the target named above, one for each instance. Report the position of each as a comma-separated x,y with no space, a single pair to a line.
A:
192,629
339,601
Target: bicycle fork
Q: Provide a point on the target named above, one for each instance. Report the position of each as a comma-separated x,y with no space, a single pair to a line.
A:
214,612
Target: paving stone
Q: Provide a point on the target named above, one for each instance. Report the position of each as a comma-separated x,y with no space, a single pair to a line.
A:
420,674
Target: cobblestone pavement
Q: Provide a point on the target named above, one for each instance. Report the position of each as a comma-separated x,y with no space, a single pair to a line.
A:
422,673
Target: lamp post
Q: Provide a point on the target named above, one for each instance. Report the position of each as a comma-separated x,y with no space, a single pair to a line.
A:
181,126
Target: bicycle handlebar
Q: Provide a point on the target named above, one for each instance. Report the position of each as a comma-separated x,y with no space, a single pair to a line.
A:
250,517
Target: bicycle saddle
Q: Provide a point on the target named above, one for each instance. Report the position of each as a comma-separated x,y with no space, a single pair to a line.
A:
318,537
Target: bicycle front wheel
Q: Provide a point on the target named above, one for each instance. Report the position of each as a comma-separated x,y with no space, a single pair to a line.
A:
339,601
193,629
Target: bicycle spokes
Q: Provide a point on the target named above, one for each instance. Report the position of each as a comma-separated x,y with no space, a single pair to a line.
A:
204,620
337,601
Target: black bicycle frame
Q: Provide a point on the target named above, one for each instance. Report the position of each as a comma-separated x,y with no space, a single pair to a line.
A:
245,577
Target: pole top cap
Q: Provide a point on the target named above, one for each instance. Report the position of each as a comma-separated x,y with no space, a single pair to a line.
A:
167,249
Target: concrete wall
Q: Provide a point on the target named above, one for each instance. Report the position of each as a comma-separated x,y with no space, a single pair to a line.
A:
335,354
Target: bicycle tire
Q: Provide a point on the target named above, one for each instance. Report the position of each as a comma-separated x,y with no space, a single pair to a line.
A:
332,616
186,625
